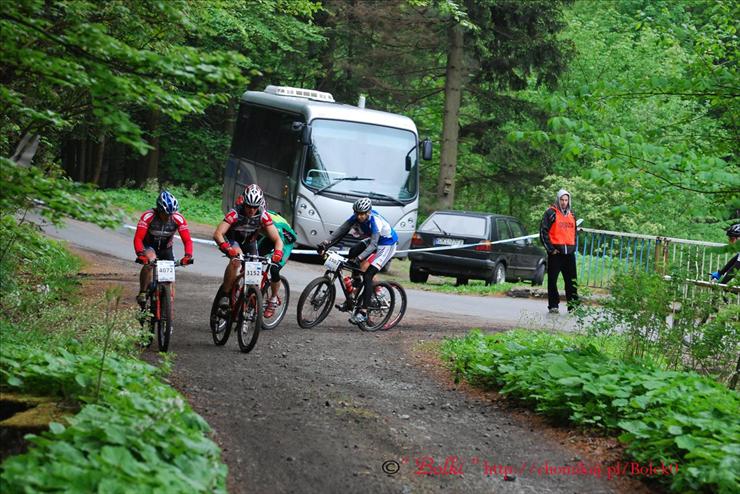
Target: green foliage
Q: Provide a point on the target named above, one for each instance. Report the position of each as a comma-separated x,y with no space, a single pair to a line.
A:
78,62
681,326
136,431
645,108
140,433
664,416
24,187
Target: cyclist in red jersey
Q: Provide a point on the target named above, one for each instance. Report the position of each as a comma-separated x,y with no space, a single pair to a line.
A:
154,235
239,230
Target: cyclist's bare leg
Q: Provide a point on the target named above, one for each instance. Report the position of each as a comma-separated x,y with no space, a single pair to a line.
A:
145,275
232,271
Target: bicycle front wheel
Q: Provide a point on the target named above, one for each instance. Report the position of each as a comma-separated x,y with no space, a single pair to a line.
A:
281,309
249,321
315,302
164,323
399,309
220,320
381,307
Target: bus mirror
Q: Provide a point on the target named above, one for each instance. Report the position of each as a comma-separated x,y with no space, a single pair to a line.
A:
305,131
426,149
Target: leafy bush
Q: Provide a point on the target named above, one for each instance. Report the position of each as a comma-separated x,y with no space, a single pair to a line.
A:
140,432
665,416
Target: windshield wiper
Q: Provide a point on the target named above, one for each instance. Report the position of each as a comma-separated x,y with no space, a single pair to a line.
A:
377,195
341,179
439,228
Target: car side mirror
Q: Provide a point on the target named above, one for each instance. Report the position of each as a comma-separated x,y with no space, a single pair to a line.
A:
426,149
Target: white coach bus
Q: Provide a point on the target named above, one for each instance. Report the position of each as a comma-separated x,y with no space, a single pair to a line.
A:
314,157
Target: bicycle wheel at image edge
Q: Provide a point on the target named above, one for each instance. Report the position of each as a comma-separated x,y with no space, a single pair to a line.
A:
315,302
249,321
164,324
381,307
282,308
220,323
399,309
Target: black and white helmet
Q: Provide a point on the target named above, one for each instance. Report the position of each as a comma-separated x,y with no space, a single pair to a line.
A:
363,205
734,231
253,195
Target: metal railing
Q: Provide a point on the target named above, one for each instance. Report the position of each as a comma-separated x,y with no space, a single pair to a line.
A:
600,254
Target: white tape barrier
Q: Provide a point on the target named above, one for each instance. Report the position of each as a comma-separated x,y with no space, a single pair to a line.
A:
426,249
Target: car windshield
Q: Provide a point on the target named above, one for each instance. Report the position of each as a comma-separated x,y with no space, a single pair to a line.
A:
361,160
452,224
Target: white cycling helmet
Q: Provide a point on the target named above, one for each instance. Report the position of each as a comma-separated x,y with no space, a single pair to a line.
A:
363,205
253,195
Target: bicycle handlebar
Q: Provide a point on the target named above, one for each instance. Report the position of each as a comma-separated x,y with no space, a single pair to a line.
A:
153,262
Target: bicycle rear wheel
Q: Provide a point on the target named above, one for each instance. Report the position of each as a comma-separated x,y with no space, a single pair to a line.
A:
249,321
220,321
315,302
381,307
282,307
399,310
164,323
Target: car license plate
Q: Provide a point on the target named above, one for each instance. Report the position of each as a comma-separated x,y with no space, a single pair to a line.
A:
448,241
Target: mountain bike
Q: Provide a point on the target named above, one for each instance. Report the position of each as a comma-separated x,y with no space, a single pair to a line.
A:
160,298
317,298
245,306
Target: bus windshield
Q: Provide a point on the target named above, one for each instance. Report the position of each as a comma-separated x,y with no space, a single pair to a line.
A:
361,160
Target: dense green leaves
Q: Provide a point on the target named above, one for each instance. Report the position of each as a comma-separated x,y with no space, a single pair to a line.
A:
664,416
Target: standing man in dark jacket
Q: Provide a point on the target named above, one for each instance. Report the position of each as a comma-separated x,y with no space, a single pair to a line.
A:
558,235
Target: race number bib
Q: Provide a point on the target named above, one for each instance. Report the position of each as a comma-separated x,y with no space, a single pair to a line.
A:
252,273
332,261
165,271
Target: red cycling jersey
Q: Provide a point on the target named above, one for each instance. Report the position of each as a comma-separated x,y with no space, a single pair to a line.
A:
153,232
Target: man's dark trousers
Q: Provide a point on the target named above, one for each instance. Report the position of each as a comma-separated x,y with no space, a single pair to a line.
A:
566,264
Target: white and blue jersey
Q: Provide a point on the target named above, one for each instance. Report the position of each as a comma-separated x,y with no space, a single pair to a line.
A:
375,223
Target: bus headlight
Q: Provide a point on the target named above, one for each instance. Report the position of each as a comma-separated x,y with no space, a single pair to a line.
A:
306,209
407,222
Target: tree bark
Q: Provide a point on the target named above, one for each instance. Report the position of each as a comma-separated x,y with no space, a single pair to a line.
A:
81,159
450,124
150,162
98,159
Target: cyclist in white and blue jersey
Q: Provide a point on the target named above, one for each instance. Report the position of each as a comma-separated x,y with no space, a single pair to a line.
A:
374,252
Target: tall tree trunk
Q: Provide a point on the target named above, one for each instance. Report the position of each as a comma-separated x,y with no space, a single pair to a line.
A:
81,159
450,124
149,164
98,159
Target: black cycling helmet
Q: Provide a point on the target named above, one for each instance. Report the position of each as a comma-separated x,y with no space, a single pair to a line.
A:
362,205
734,231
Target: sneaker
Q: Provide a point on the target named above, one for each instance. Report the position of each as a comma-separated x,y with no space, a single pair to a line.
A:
271,306
358,318
553,310
344,306
141,299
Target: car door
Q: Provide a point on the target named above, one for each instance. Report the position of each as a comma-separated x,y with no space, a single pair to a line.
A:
506,250
525,254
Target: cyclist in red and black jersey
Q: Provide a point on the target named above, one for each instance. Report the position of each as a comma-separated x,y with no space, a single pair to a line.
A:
239,231
153,238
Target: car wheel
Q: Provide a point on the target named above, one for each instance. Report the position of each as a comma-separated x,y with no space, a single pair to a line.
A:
417,276
539,275
461,281
499,273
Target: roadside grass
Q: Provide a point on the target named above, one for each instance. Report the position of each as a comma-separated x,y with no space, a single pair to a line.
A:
665,417
197,206
132,429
